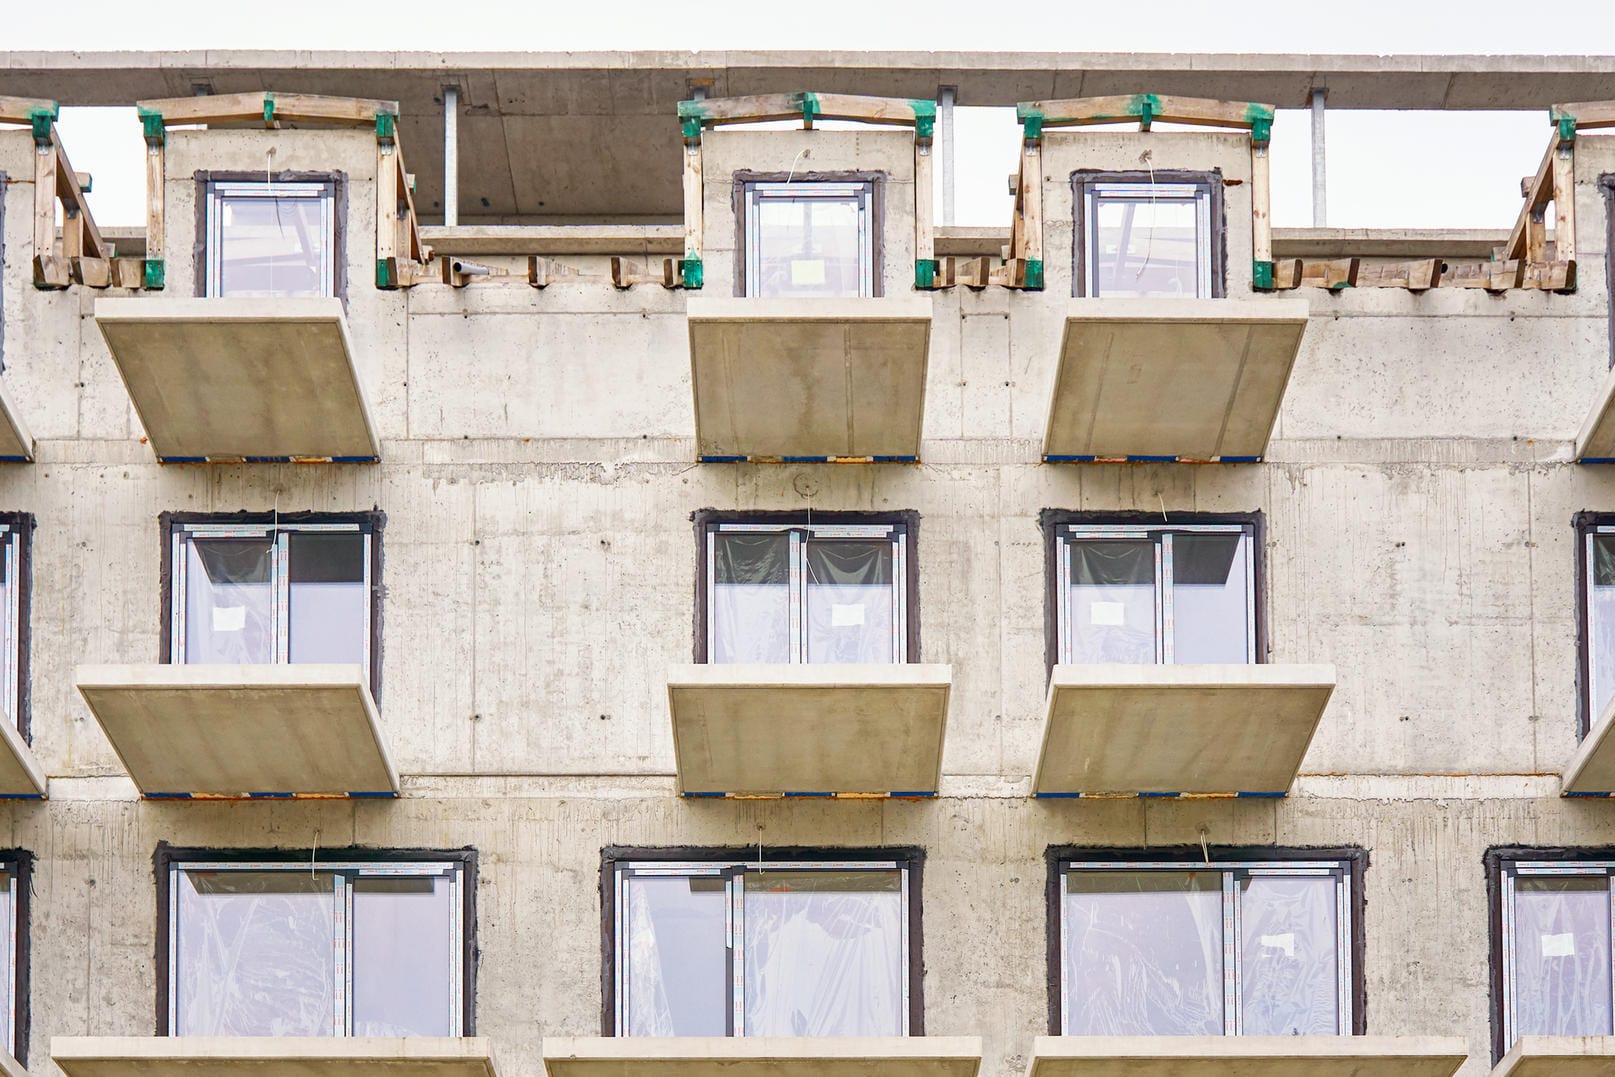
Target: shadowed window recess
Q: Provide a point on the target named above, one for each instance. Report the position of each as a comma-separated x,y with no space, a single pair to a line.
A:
1146,239
270,239
1556,948
809,239
1599,577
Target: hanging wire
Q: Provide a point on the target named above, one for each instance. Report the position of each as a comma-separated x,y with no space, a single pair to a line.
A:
1147,158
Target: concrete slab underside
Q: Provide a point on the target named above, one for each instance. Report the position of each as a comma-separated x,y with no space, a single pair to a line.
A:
809,377
231,379
1591,771
16,443
20,773
1121,729
272,1056
1247,1056
1195,379
226,730
763,1056
1596,442
1559,1056
769,729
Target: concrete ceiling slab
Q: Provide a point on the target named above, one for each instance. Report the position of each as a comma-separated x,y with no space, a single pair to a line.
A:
236,730
273,1056
20,773
775,729
1591,771
809,377
16,443
1596,442
1193,379
1559,1056
233,379
1124,729
1247,1056
762,1056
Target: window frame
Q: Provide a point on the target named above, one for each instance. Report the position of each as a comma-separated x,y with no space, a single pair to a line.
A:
168,860
18,864
176,525
1211,224
905,575
16,534
1057,523
1352,861
1500,918
874,221
614,860
209,222
1588,526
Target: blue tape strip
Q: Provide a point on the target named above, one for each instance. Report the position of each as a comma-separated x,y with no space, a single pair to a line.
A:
1139,458
22,796
168,796
1057,458
804,459
1159,796
13,460
384,794
723,459
795,796
913,793
1596,460
1591,795
1057,796
354,459
706,796
182,459
269,796
1239,459
895,459
1263,796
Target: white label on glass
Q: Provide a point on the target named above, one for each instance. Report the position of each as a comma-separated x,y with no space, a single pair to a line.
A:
229,618
1285,942
1559,945
846,616
807,271
1107,613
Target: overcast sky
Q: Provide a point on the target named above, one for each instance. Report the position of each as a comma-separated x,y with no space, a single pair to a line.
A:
1381,173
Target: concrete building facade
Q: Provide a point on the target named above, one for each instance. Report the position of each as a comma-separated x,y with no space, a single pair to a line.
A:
531,698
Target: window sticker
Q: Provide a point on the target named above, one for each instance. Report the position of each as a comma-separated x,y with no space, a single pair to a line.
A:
1285,942
807,272
229,618
846,615
1107,613
1559,945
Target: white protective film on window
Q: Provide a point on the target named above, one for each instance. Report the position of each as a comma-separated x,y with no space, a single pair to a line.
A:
229,600
676,929
1113,613
751,597
809,239
270,239
10,621
1147,239
1557,953
329,604
1158,949
404,952
8,982
850,607
1601,622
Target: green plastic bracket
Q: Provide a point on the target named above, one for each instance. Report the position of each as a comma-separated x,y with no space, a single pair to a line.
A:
384,274
151,274
810,107
1034,274
269,110
690,273
1567,127
41,119
151,124
924,119
925,273
1031,123
88,183
1147,106
386,128
1262,276
1260,118
692,110
692,129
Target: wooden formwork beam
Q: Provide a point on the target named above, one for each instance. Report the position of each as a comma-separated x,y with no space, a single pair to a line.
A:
807,107
1145,109
270,109
26,110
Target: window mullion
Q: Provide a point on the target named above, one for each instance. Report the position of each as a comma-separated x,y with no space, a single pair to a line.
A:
178,597
1232,1017
1163,600
342,948
282,587
1611,986
899,606
1508,957
798,595
737,951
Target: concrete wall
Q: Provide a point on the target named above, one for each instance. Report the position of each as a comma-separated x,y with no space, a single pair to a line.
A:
537,478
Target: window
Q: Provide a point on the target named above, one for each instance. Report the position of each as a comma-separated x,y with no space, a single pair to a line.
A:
1155,593
809,239
15,529
1596,570
1149,236
783,592
1556,944
279,947
747,947
1190,947
270,238
15,868
266,591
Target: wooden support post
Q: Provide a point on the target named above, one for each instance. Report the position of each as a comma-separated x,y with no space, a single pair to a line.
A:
925,265
152,272
1261,219
1564,202
387,259
1029,215
694,220
50,270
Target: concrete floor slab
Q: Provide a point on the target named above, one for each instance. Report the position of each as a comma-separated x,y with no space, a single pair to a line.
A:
20,773
1559,1056
1596,442
775,729
273,1056
1194,379
1123,729
228,730
1247,1056
16,443
1591,771
240,379
762,1056
809,377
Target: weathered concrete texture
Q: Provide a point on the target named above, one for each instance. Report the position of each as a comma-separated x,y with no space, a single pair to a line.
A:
273,1056
808,728
240,379
1246,1056
1189,378
1558,1056
1179,729
227,730
20,773
809,377
764,1056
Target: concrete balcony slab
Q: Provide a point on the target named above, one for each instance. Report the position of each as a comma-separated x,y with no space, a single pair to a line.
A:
273,1056
242,731
1559,1056
1171,379
809,379
763,1056
16,443
1596,442
240,379
1123,730
782,729
1591,771
20,773
1247,1056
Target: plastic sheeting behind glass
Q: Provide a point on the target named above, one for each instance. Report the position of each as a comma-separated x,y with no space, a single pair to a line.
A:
328,604
1561,956
850,602
403,940
1602,630
229,600
8,922
676,956
273,246
824,953
751,604
1143,953
808,246
1210,598
1291,954
1112,617
255,954
1145,247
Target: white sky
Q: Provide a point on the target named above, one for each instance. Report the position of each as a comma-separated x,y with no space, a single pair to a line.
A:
1382,171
